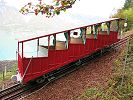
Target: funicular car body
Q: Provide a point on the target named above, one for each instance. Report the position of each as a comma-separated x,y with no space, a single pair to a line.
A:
57,49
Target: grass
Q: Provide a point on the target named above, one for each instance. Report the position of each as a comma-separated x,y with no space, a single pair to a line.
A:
9,73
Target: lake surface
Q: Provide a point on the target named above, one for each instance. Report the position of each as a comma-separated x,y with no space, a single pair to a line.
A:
8,46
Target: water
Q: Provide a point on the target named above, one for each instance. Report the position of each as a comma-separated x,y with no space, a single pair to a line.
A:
10,20
8,46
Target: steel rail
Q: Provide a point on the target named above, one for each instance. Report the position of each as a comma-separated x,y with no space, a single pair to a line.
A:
8,91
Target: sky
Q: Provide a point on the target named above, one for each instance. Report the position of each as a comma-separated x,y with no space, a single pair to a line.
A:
98,8
101,8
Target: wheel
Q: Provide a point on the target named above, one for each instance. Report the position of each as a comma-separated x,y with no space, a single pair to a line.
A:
40,80
78,62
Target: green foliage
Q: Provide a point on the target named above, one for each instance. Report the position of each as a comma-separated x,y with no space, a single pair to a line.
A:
90,91
127,13
128,4
9,73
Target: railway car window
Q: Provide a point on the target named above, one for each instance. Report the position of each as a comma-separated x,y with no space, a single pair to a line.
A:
114,26
78,36
99,28
42,50
104,28
30,49
91,32
61,41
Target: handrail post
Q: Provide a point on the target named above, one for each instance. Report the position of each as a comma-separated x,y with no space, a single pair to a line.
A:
22,50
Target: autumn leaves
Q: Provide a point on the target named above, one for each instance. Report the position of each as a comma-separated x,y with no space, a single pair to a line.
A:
49,10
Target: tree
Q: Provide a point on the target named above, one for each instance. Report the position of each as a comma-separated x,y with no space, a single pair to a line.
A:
127,13
128,4
48,10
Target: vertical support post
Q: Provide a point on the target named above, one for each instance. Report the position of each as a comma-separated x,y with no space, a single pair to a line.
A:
95,33
22,50
92,29
117,25
18,47
85,34
66,36
82,34
48,43
108,25
120,29
54,41
37,46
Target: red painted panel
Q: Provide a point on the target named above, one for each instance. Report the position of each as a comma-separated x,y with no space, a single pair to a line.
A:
35,67
20,65
58,58
113,37
76,50
103,40
71,50
51,57
45,63
88,45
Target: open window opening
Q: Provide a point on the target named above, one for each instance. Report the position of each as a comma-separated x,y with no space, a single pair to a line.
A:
78,36
92,31
62,41
30,49
114,26
42,48
104,28
59,41
34,48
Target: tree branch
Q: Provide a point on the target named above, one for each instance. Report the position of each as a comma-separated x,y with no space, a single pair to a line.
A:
48,10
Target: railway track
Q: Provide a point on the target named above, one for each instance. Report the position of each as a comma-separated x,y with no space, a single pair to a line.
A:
121,42
17,90
4,93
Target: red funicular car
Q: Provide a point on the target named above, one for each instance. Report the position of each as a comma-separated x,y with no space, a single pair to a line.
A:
38,56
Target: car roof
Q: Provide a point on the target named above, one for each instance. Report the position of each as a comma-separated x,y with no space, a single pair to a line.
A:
58,25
